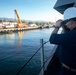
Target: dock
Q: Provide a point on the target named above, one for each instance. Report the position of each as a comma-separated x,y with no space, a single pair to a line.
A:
9,30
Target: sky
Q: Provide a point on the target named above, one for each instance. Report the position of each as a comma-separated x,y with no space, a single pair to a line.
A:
30,9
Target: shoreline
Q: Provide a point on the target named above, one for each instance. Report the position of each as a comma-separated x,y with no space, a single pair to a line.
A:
10,30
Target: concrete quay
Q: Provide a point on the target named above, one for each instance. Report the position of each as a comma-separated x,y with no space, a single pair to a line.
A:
9,30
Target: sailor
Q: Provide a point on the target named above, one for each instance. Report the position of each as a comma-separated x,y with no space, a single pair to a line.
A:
67,42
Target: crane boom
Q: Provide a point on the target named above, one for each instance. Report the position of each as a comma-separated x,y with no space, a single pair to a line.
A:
19,21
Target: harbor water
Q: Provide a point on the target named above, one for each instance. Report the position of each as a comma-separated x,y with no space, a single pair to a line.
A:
16,49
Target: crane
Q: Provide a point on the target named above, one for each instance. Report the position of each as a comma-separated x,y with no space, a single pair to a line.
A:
19,21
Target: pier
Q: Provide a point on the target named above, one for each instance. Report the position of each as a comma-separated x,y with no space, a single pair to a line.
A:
9,30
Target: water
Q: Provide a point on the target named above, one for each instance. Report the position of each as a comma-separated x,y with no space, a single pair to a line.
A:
16,49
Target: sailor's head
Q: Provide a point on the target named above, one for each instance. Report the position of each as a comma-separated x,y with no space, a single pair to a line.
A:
70,17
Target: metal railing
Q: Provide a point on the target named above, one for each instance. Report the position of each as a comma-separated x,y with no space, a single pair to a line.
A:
45,65
42,58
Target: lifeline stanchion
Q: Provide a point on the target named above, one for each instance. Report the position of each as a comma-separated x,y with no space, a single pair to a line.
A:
42,55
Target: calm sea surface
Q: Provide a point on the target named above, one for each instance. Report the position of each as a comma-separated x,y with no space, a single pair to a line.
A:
16,49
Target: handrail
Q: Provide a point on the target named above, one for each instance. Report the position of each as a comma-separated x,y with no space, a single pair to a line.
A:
30,58
47,61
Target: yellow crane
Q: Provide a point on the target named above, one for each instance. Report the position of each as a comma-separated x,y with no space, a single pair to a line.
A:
19,21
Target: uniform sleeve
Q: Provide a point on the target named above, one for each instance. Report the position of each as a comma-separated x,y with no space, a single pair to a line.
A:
62,39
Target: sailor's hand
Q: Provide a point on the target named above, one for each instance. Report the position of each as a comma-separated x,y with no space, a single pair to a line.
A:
58,23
